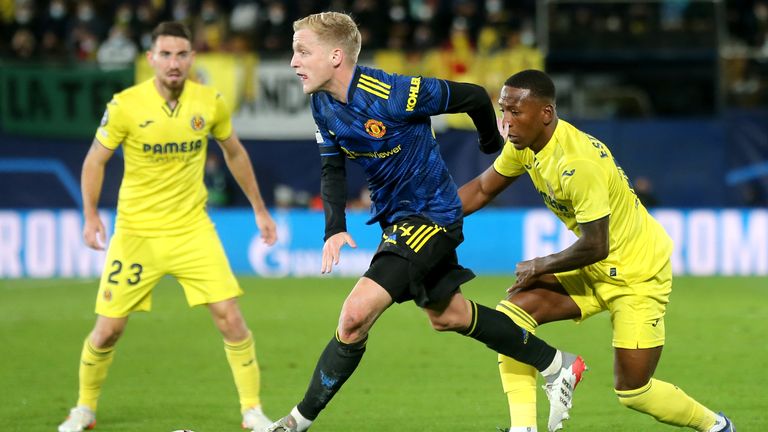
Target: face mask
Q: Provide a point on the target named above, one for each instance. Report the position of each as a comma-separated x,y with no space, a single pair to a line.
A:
143,14
208,15
124,16
276,15
57,10
85,14
527,37
493,6
761,12
23,15
180,13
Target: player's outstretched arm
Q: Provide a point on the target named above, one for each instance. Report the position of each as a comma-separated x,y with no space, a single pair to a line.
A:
91,181
482,189
239,165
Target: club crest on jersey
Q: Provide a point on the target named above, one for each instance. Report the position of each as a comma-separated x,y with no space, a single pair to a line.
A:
375,128
107,295
198,122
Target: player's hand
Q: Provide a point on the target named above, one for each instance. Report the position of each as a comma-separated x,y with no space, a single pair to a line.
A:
94,234
332,250
267,227
526,273
503,128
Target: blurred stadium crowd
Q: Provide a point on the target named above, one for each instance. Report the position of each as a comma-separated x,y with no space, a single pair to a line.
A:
87,30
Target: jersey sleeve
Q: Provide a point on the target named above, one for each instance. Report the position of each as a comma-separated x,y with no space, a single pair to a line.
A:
508,163
326,142
222,120
114,125
415,96
584,182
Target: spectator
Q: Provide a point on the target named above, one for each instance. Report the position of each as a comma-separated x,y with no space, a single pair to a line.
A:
644,191
118,50
274,30
52,47
146,20
215,179
55,21
23,44
210,29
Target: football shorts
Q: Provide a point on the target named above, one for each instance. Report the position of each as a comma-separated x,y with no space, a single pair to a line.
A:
637,311
135,264
416,260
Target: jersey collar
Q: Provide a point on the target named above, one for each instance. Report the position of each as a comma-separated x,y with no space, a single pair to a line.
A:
353,83
163,104
550,146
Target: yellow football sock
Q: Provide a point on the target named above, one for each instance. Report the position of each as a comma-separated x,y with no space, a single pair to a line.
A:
518,379
245,369
94,365
668,404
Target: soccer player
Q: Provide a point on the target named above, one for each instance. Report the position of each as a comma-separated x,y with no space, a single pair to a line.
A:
382,122
620,262
162,226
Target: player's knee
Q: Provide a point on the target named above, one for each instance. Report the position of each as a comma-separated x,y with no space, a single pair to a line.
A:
105,337
447,322
352,327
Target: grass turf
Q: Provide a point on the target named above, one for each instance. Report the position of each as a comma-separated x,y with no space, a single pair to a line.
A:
170,370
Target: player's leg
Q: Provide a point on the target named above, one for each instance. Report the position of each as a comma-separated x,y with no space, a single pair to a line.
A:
240,350
126,283
367,301
666,402
200,264
544,302
562,371
638,322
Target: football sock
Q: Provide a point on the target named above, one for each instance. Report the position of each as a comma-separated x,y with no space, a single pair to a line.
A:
519,379
502,335
337,363
245,369
668,404
302,423
94,365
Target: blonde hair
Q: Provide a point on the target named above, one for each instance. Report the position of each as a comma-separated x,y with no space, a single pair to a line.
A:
334,28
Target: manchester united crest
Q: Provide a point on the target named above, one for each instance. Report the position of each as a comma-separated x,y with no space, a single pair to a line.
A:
375,128
198,122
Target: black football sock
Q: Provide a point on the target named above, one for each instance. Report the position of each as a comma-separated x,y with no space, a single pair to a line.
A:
499,333
337,363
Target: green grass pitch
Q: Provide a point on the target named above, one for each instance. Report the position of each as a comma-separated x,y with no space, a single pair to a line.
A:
170,370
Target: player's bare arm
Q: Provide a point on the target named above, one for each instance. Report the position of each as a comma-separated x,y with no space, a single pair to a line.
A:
590,248
481,190
92,179
239,165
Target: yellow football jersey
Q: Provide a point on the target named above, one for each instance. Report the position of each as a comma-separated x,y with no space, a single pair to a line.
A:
580,182
164,149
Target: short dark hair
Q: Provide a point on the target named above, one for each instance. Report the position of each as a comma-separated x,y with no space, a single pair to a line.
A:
172,28
538,82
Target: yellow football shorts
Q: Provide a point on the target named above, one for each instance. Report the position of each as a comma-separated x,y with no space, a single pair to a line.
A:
637,311
135,264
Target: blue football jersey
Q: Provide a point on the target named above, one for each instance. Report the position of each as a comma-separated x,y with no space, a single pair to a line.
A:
385,127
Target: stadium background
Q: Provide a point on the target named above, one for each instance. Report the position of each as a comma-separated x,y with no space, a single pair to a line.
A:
677,88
